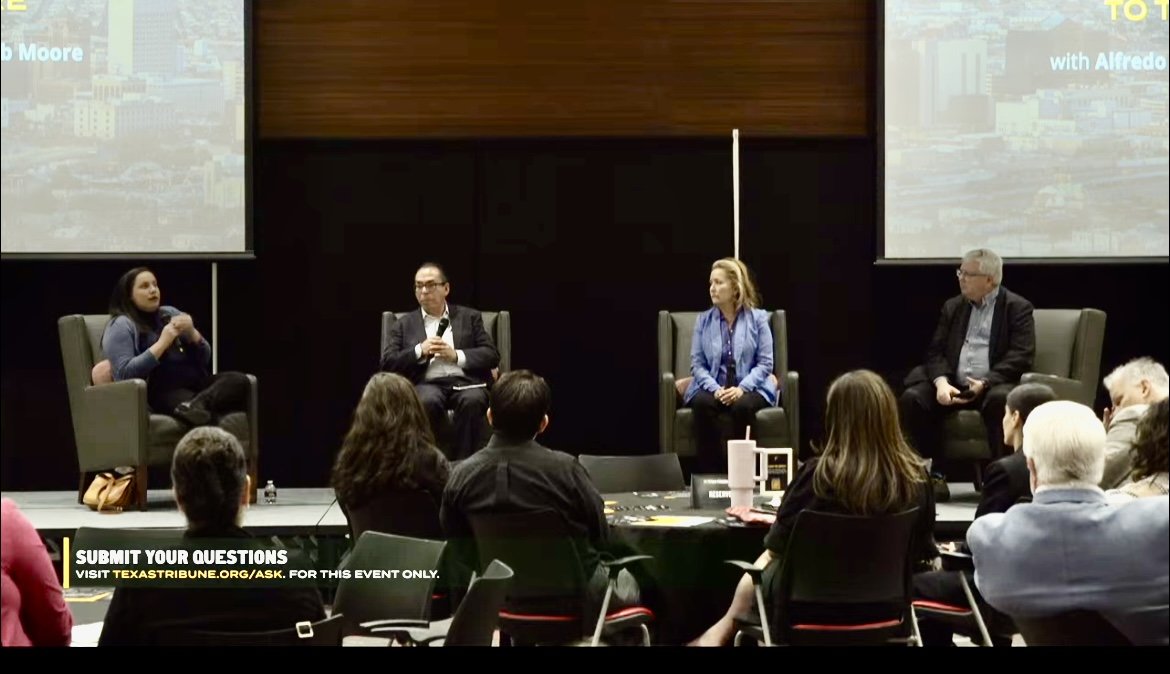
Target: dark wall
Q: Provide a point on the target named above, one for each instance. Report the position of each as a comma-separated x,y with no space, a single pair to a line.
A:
583,240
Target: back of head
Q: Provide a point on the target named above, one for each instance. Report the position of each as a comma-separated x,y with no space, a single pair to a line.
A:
1150,443
210,476
741,278
866,464
520,400
383,446
1027,397
1066,443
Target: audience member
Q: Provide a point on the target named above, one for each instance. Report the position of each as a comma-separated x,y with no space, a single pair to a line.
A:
1132,388
33,606
1150,456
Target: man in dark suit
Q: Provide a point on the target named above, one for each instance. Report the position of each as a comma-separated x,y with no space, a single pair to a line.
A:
985,340
444,350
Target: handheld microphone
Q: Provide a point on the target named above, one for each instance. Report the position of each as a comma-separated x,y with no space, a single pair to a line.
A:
178,343
443,323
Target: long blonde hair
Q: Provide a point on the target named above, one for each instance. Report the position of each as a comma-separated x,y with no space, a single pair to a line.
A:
866,465
746,294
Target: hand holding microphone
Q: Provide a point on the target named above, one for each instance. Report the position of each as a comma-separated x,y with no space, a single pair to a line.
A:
435,346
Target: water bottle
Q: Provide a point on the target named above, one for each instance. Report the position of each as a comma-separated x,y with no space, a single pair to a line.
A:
270,492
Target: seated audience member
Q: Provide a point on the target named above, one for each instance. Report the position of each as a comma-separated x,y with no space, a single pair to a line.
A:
731,363
1069,549
1132,388
1150,457
33,609
450,366
514,473
389,447
148,340
211,484
865,468
984,342
1005,483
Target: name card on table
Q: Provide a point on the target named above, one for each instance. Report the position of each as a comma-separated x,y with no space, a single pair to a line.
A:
710,492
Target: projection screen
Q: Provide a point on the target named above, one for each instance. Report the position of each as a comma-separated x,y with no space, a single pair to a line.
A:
1037,128
126,127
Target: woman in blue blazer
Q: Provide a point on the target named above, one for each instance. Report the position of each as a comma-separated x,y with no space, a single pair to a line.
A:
731,363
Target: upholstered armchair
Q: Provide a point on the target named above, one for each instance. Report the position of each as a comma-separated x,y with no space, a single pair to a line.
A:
1068,358
112,423
774,427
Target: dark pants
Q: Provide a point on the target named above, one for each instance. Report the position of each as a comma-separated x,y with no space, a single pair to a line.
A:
711,443
469,405
219,394
944,587
922,417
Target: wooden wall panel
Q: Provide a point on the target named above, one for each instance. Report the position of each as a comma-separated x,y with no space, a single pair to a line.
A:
477,68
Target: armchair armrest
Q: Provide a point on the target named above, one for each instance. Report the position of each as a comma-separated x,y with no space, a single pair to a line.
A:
111,426
253,416
790,396
1065,389
667,404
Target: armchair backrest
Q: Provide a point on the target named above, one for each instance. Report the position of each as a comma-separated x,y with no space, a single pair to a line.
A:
498,324
676,328
1068,344
81,347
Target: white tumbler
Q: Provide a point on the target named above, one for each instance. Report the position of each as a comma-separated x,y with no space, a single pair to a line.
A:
741,471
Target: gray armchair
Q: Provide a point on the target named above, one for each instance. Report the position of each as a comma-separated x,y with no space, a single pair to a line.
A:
1068,358
112,424
775,426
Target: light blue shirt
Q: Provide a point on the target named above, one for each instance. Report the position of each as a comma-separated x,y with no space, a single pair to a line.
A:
975,356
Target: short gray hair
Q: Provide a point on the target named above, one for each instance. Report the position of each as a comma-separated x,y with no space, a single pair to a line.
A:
1136,370
1066,443
990,263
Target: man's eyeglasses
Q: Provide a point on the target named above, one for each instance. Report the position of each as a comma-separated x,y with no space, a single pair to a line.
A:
428,286
959,273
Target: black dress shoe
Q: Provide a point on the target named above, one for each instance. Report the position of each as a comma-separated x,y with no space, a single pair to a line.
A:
194,415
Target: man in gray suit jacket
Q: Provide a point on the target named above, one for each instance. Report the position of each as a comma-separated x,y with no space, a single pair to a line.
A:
1069,549
444,350
1132,387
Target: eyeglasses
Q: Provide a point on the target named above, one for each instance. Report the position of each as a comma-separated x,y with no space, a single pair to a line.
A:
959,273
428,286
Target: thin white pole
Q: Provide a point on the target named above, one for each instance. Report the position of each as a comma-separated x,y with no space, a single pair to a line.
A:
735,185
214,317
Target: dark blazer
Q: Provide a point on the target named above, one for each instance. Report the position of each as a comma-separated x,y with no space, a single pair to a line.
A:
469,335
1005,482
1012,348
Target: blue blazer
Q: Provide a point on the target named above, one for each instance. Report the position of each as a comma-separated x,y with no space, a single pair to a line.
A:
751,346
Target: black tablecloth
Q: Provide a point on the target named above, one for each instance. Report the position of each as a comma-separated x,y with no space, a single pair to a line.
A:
687,585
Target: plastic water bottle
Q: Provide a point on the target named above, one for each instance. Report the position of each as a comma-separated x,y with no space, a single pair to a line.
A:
270,492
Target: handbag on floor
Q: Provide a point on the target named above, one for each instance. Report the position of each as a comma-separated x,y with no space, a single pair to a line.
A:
110,492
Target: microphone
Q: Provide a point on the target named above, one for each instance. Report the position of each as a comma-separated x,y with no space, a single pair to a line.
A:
443,323
178,343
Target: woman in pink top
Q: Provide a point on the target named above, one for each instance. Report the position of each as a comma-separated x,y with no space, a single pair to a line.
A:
32,610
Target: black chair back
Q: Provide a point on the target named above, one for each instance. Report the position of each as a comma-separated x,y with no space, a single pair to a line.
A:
649,472
478,615
368,599
846,571
328,632
1073,628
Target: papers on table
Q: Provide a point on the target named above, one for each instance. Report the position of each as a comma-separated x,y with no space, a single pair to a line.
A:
672,521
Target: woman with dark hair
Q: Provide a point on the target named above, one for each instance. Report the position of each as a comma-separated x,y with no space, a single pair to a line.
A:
389,447
148,340
865,468
731,363
1151,456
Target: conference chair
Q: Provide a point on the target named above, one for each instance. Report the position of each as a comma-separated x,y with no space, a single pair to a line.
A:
362,600
498,325
844,581
327,632
1073,628
473,624
1068,359
646,472
112,423
549,602
966,619
777,426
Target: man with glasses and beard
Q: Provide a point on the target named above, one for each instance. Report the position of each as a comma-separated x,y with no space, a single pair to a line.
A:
985,340
444,350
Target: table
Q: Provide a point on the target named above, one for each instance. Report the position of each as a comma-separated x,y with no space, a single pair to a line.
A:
688,585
